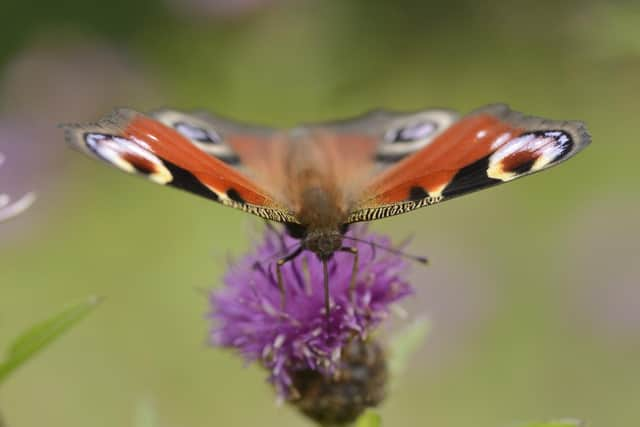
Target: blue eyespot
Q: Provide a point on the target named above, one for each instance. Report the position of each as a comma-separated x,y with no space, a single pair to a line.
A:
412,132
197,134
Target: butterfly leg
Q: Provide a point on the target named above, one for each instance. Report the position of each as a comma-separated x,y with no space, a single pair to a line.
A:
354,270
327,298
279,265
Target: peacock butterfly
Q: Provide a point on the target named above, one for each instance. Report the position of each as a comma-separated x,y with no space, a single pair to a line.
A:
319,178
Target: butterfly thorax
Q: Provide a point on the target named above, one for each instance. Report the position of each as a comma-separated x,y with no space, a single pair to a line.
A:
322,218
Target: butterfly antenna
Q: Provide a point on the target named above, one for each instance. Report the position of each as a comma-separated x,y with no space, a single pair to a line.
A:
418,258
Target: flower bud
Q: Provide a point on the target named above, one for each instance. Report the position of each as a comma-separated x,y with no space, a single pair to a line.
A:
359,382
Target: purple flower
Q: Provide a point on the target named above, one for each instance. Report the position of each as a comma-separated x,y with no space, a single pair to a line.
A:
9,209
298,337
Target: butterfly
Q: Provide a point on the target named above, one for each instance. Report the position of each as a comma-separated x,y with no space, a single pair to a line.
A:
319,178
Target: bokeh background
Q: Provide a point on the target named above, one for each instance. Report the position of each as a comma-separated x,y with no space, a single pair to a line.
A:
534,287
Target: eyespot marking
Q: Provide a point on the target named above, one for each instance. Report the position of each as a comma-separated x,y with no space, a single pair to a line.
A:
128,155
563,143
520,162
411,132
140,164
529,152
197,134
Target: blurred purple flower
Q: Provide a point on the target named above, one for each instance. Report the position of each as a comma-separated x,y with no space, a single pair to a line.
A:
249,318
35,162
9,209
61,79
56,79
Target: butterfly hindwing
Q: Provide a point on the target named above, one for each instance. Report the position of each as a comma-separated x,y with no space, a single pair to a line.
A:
213,134
395,135
490,146
139,144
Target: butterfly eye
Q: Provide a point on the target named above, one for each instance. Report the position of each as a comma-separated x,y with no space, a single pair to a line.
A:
296,231
344,228
198,134
411,132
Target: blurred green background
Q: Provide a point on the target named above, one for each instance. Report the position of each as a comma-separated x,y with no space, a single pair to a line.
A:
534,287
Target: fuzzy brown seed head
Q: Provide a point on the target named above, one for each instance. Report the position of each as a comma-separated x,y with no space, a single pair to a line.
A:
359,383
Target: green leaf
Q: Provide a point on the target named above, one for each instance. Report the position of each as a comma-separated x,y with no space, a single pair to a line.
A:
42,334
568,422
369,419
405,343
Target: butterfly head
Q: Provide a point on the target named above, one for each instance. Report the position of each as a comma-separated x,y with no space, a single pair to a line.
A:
323,242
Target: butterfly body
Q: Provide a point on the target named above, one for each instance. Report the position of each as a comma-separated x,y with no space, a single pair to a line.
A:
319,178
311,189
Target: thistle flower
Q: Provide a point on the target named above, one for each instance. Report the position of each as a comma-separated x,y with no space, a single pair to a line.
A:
305,351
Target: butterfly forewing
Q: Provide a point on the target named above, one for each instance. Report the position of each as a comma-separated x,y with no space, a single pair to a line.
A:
141,145
488,147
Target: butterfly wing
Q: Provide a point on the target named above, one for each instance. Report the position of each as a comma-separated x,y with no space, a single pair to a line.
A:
257,151
392,136
141,145
215,135
488,147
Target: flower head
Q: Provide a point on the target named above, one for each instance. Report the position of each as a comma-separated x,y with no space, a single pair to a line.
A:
298,336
